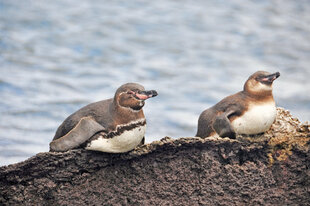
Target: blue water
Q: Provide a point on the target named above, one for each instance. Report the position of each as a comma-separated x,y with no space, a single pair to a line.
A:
57,56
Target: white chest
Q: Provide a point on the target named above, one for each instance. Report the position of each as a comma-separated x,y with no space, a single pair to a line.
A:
125,142
256,120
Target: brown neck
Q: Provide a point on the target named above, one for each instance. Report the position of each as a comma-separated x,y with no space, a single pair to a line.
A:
124,115
259,96
257,91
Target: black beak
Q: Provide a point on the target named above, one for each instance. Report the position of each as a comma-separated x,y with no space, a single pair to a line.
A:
270,78
143,95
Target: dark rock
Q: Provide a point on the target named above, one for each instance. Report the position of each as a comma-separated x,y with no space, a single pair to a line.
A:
268,169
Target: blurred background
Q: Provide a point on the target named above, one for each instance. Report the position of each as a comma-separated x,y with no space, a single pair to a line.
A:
57,56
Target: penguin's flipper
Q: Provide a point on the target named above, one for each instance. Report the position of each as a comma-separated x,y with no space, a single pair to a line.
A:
223,127
84,129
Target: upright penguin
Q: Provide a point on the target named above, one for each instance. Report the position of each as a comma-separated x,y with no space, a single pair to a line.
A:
120,121
251,111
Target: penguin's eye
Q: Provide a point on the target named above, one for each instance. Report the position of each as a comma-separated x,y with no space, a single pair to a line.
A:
258,78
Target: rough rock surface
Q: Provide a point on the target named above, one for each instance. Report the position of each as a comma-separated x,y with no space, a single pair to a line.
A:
268,169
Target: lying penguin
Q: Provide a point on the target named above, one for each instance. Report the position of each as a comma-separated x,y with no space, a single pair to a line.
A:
119,120
251,111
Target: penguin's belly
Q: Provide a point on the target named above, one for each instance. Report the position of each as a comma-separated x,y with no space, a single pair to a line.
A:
123,142
257,119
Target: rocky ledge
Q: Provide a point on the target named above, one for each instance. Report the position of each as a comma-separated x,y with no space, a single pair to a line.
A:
268,169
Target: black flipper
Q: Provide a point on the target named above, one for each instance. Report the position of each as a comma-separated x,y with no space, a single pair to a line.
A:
85,129
223,127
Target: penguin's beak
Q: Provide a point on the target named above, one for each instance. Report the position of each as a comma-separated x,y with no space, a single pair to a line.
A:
270,78
143,95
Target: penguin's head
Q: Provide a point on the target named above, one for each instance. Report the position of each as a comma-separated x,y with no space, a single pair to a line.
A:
260,82
132,96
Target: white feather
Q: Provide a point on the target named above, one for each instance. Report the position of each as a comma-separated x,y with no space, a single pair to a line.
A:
257,119
125,142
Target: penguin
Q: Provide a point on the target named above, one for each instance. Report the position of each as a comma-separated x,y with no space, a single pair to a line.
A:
251,111
120,121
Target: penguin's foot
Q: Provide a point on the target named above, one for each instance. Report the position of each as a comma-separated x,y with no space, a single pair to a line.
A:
230,134
222,126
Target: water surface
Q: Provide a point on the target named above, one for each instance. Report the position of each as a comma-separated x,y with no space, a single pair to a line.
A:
57,56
